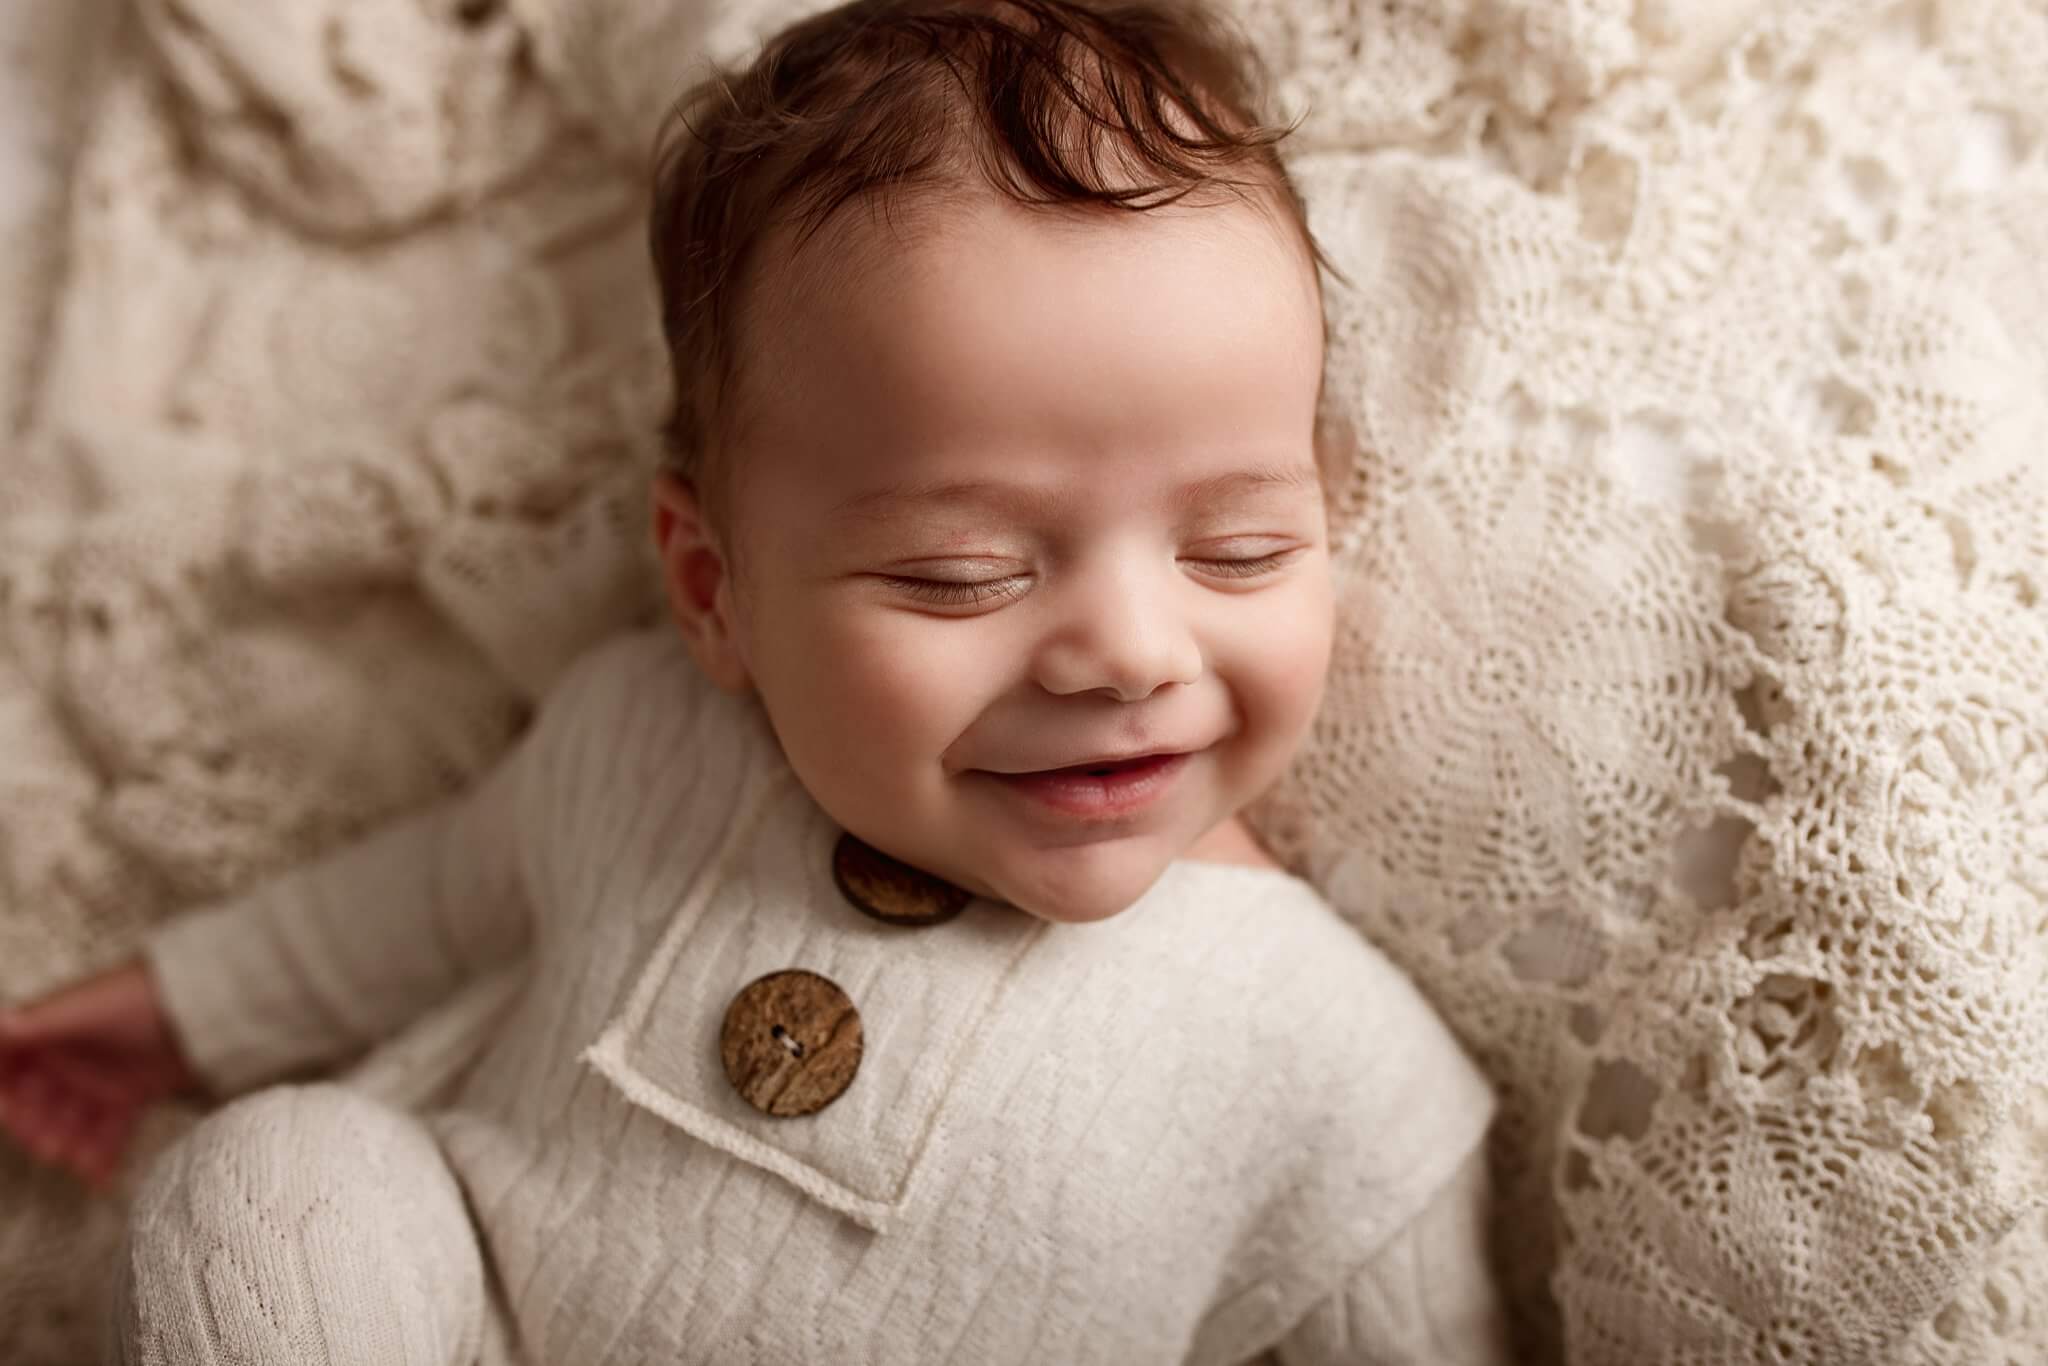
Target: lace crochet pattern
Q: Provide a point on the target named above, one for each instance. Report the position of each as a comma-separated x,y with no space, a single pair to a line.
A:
1687,739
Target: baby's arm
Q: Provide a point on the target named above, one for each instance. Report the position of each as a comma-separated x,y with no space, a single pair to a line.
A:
334,955
1424,1299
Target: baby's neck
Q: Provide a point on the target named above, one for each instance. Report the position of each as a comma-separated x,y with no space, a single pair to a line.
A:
1231,841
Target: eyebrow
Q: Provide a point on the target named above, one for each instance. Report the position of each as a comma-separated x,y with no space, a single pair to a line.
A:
994,493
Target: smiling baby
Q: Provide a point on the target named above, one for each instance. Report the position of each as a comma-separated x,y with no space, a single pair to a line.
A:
904,985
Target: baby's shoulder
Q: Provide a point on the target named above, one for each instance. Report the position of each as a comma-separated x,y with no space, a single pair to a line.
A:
634,713
1287,940
641,685
1345,1100
624,668
1313,997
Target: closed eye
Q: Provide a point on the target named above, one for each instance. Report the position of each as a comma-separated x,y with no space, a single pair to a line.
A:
958,593
1004,588
1247,569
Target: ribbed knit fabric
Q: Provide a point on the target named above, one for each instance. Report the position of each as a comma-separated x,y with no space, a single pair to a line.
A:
1215,1123
302,1224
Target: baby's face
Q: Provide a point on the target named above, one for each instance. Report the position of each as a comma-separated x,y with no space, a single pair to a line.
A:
1037,493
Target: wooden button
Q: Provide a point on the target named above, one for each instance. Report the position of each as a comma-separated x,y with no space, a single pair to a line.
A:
890,890
791,1043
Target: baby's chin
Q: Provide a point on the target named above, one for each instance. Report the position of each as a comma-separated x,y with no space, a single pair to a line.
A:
1077,887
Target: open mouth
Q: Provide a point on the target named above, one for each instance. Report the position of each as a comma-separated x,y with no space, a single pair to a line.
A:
1099,789
1110,770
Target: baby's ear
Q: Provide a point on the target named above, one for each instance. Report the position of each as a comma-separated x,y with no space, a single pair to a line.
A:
697,582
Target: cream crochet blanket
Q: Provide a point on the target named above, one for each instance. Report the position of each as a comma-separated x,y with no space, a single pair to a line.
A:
1689,736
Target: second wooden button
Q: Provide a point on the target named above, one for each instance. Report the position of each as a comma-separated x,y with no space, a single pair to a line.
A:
791,1043
891,890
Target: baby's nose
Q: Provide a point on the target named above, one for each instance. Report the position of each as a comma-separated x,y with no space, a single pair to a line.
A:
1125,642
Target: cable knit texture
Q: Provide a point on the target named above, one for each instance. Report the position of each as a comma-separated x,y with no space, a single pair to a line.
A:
306,1225
1169,1137
1686,740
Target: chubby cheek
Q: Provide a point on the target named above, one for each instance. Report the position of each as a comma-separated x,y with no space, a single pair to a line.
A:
867,701
1276,669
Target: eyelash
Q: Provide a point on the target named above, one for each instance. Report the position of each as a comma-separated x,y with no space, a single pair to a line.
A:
951,594
1245,569
955,594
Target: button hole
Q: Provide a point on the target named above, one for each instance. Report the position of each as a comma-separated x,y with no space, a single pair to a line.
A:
795,1047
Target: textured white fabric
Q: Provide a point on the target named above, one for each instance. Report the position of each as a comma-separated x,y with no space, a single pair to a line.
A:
1399,1296
303,1224
1788,1109
1686,742
47,56
1167,1137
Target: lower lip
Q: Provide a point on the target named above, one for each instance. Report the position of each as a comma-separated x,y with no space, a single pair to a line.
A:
1129,789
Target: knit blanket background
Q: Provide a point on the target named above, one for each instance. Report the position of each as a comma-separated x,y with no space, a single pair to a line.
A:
1688,734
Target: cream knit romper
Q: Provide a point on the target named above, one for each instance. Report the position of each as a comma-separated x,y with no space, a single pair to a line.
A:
1214,1124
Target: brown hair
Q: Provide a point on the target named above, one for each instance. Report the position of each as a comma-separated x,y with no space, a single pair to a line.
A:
1096,105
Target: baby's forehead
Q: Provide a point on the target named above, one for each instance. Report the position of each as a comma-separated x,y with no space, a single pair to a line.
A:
803,270
1161,350
931,295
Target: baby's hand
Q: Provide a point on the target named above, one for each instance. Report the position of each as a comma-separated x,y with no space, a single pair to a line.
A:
80,1067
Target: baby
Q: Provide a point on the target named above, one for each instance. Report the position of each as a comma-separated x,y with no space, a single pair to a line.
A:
902,984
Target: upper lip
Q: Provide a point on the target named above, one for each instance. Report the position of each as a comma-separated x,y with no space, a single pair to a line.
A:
1096,762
